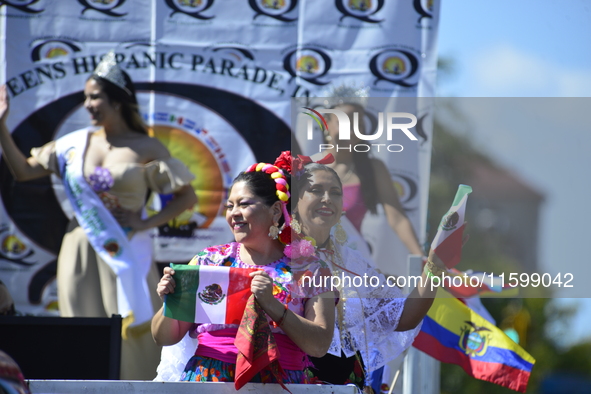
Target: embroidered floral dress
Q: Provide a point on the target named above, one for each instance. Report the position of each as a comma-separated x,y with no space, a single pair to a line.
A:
293,284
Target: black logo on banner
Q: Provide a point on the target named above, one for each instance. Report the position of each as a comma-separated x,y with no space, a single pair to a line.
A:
53,48
193,8
360,9
396,66
21,5
274,8
420,129
424,8
103,6
407,191
310,64
13,249
244,52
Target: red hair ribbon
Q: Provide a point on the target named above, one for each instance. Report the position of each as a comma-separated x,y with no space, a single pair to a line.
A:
299,162
295,165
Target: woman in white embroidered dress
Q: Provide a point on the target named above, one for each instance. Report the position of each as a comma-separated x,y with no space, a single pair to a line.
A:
376,321
120,164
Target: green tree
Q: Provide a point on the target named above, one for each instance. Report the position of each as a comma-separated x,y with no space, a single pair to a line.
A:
449,168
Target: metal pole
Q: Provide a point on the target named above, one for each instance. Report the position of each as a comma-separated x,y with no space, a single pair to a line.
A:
420,372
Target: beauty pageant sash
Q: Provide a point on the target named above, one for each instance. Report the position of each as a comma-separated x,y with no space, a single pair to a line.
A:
104,233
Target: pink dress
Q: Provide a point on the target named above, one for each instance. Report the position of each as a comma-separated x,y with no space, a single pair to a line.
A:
353,205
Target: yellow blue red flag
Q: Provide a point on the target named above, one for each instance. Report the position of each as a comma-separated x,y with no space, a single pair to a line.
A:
455,334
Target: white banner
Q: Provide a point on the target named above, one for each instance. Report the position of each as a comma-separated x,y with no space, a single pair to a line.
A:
215,81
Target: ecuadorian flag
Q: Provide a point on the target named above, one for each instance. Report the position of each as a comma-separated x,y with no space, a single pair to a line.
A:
453,333
208,294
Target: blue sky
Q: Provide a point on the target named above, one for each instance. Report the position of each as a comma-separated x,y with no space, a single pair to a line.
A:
522,48
532,48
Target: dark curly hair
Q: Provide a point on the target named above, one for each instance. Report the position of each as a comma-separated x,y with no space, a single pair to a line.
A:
263,186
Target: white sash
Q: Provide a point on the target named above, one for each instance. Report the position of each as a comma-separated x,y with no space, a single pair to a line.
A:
127,259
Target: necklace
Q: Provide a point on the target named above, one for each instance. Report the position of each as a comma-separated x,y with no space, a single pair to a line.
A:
324,244
239,259
333,255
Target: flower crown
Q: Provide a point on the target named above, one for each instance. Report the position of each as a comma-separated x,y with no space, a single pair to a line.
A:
281,185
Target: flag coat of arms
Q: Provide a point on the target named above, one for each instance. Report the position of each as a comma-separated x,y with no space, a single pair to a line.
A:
455,334
208,294
447,243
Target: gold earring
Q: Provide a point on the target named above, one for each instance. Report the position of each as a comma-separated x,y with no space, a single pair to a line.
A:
296,226
340,234
274,231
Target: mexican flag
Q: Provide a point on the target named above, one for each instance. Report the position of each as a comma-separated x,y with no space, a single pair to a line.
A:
208,294
447,243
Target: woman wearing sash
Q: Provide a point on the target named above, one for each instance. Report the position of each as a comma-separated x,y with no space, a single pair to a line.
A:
375,322
300,316
107,170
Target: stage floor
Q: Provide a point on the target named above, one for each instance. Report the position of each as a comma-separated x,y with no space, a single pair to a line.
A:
149,387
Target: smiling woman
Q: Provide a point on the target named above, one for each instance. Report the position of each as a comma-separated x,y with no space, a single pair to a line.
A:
105,260
375,322
301,319
247,209
320,201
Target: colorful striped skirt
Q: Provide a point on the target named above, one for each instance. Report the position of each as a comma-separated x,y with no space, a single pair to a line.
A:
206,369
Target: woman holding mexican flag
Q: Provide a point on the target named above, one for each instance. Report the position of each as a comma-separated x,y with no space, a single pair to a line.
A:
300,316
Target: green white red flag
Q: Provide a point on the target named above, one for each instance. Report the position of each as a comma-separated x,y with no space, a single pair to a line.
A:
447,243
208,294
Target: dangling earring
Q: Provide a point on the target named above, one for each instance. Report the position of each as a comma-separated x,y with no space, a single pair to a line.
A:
327,136
296,226
340,234
274,231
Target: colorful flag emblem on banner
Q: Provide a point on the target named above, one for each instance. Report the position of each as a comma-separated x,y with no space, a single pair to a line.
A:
208,294
447,243
453,333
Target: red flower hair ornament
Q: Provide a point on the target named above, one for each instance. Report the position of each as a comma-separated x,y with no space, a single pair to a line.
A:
295,165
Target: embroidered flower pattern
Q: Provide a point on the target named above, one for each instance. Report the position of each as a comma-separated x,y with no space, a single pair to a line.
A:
111,202
283,269
281,293
288,285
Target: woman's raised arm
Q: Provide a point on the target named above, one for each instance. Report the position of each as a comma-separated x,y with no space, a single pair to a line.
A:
22,168
397,219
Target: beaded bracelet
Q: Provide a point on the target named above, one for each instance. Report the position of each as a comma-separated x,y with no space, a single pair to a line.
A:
280,322
435,270
428,273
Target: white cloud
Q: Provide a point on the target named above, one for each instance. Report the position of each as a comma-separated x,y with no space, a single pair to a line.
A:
575,84
504,70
